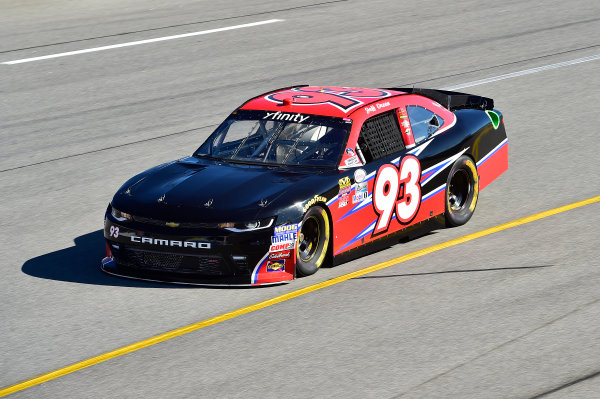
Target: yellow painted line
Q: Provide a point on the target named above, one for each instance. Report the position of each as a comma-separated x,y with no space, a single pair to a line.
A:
285,297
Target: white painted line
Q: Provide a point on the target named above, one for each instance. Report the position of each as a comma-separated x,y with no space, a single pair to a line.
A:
524,72
158,39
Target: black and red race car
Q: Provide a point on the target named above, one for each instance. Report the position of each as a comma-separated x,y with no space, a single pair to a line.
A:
302,177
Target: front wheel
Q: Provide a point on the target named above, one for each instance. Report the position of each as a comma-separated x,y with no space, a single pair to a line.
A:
313,241
462,190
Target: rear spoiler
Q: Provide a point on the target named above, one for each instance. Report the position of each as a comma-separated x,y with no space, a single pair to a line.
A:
452,100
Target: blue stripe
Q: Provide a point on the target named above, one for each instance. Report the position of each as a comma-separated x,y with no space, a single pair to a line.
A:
432,193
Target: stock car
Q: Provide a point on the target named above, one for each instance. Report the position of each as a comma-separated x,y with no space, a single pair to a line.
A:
302,177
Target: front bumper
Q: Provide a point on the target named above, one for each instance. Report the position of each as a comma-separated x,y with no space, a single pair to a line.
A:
192,256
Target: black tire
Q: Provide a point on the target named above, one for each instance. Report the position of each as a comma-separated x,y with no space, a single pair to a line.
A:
313,241
462,191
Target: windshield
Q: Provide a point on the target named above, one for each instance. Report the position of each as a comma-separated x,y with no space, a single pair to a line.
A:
282,138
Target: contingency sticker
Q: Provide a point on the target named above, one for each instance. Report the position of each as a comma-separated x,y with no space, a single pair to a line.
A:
344,193
360,175
343,201
353,160
276,265
280,255
360,192
284,237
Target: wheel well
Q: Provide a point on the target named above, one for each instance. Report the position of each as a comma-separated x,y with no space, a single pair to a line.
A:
329,257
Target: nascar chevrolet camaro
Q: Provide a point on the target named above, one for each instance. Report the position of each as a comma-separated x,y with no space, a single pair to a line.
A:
302,177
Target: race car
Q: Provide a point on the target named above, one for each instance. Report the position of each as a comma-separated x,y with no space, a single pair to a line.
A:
302,177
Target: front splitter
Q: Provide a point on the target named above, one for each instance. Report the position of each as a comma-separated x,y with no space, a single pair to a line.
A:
109,266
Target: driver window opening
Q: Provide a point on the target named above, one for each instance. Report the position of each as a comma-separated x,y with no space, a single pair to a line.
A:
380,136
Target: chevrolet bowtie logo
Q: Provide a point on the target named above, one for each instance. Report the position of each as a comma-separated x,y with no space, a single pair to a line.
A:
172,224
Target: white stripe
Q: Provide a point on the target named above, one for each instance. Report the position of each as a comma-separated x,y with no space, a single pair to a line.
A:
524,72
442,130
449,161
158,39
417,151
254,276
433,192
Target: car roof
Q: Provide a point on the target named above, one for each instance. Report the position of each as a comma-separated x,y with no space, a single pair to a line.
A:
318,100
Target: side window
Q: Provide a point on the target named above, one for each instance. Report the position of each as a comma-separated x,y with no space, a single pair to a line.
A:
380,136
423,122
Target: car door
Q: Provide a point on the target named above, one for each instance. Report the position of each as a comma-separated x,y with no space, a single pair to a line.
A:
380,142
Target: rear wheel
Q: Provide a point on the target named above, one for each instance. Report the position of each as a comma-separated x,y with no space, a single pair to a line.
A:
313,241
462,190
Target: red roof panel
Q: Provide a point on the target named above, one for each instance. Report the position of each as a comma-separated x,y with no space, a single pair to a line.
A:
318,100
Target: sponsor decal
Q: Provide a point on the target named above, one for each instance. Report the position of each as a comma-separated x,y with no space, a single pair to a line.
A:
352,161
284,116
284,235
170,243
343,201
360,197
344,191
344,182
350,151
280,255
286,228
360,192
275,265
282,247
360,175
405,124
314,200
345,187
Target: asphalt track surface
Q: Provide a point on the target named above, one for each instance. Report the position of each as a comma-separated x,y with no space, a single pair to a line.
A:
514,314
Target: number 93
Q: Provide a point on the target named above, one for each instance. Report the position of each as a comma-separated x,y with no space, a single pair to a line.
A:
397,191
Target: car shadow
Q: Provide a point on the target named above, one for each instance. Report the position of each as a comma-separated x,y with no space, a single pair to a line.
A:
81,264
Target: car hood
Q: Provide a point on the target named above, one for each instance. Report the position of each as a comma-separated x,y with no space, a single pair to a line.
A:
195,190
